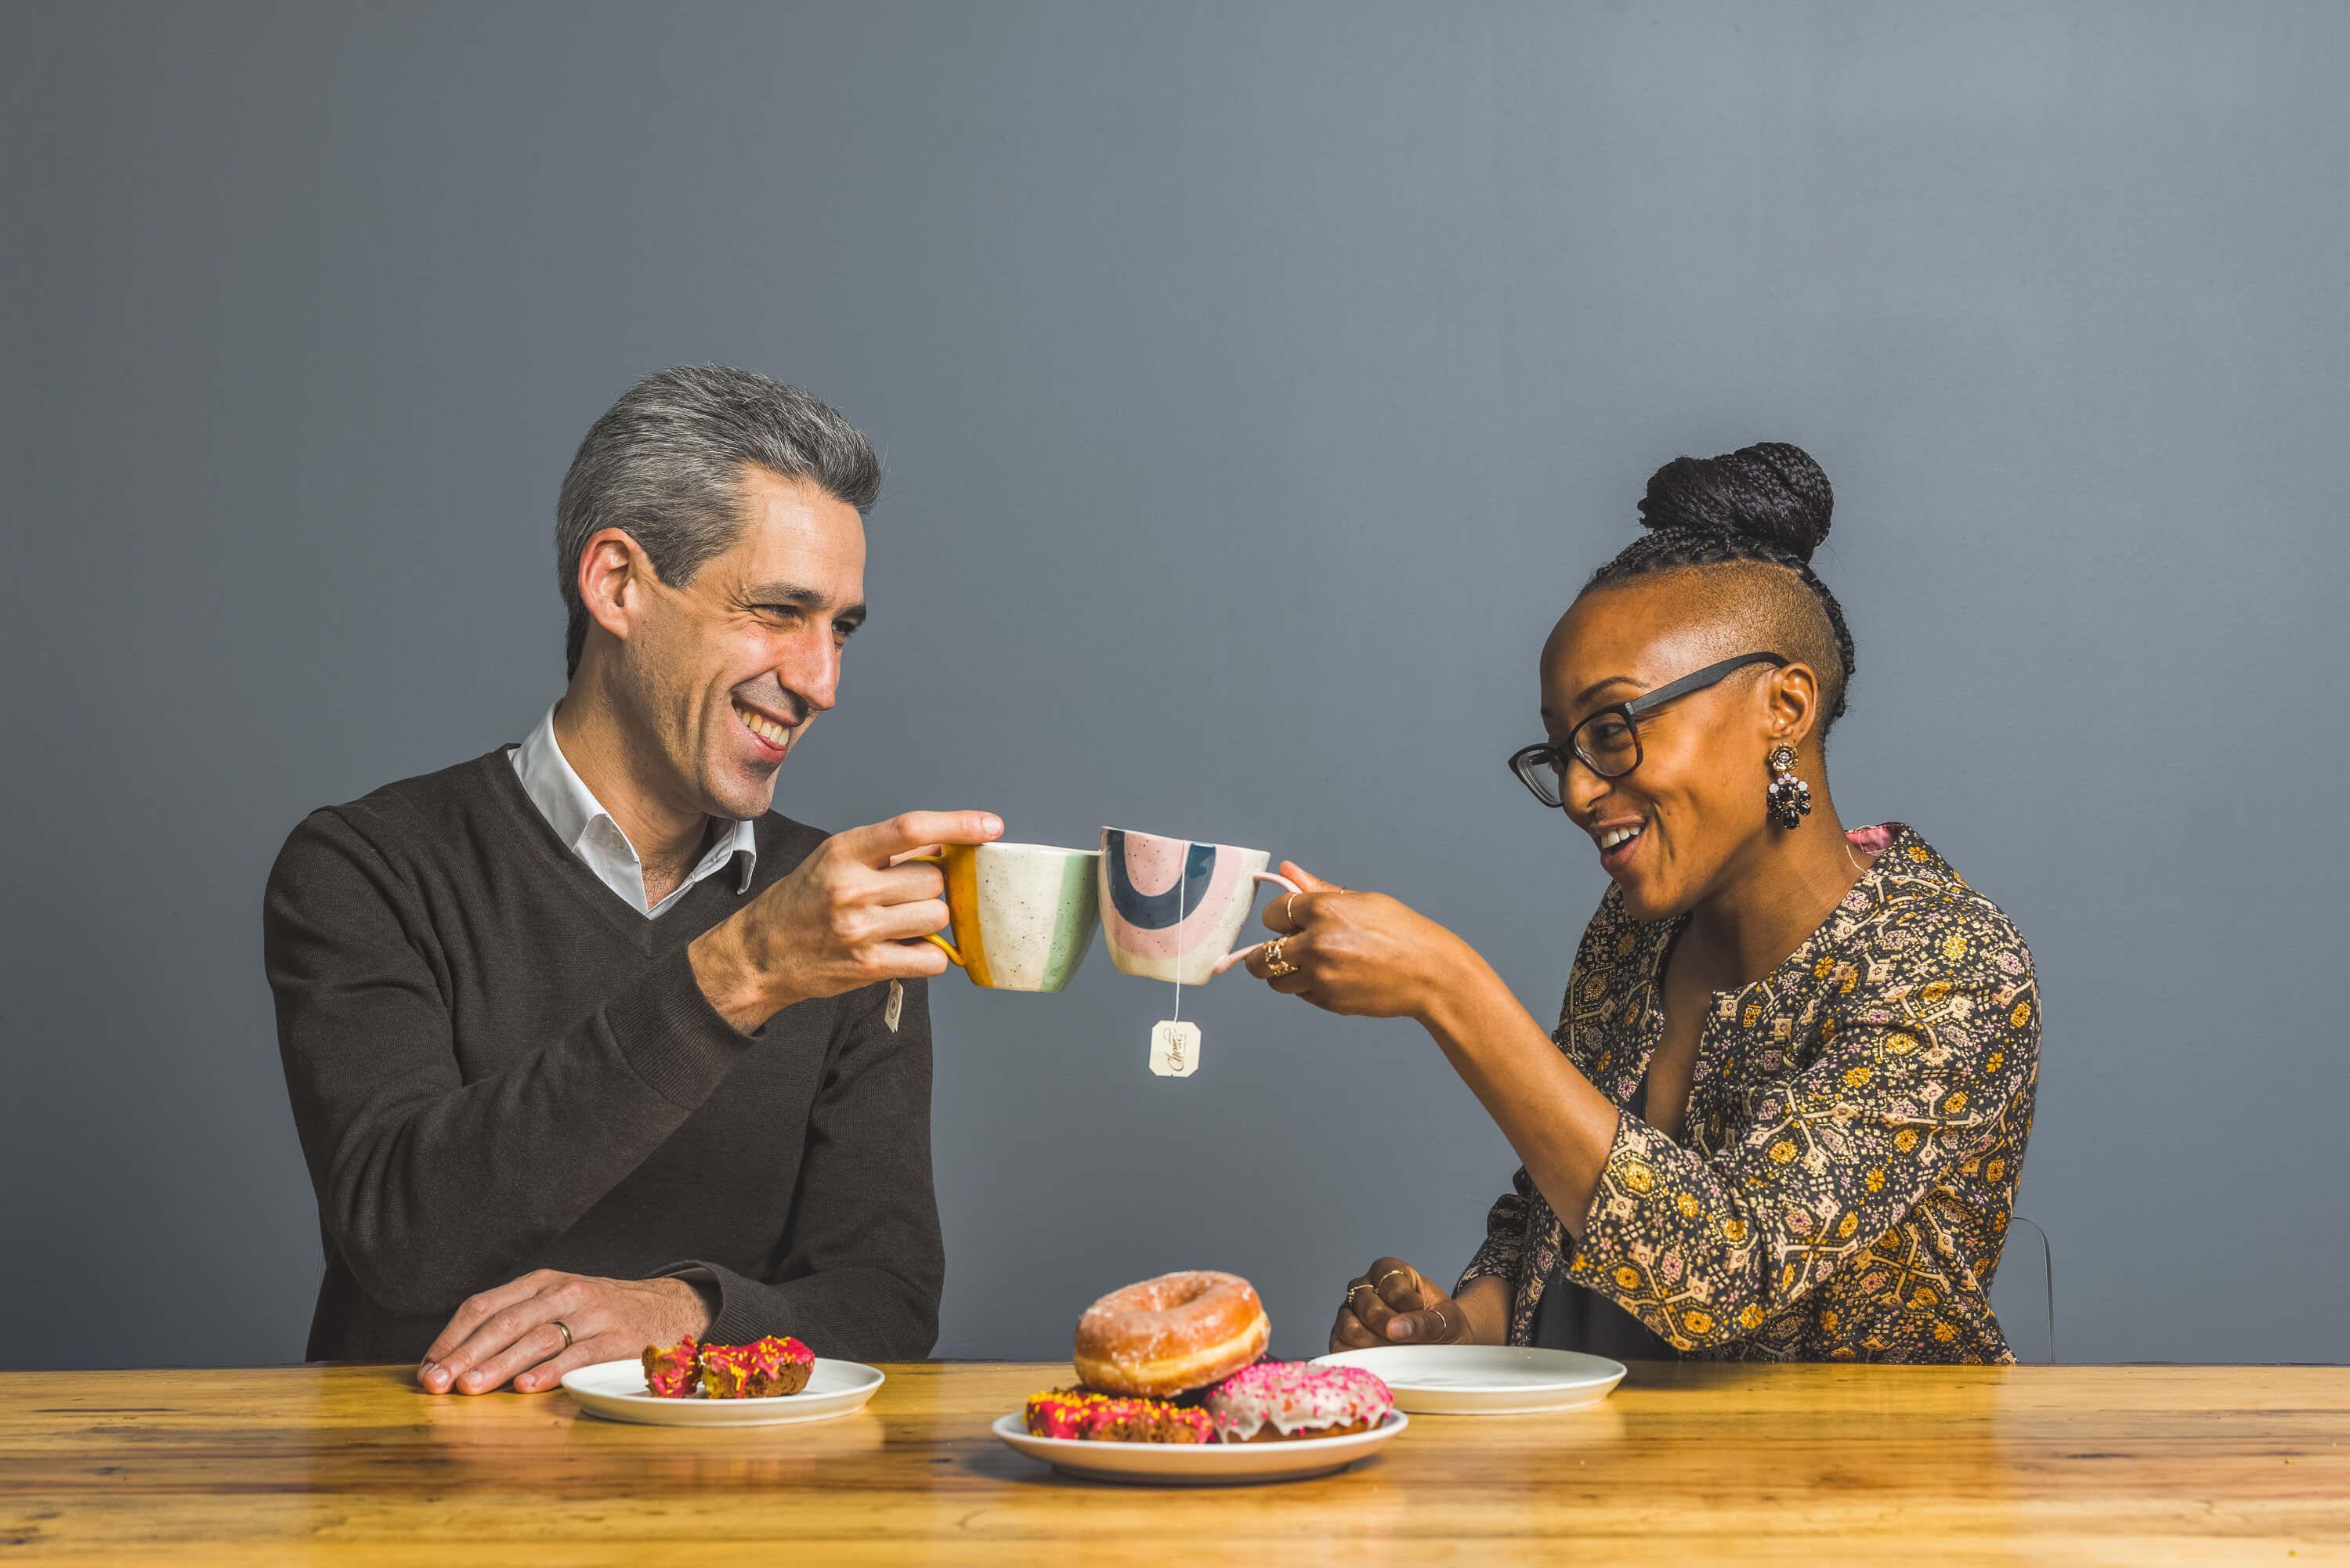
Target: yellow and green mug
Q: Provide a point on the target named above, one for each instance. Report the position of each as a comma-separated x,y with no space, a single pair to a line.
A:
1023,914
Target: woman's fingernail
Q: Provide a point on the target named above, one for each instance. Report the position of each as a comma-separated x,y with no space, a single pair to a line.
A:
425,1372
1399,1328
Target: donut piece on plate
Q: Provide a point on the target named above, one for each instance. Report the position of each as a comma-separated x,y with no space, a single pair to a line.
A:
1171,1335
1086,1416
674,1373
1280,1401
759,1370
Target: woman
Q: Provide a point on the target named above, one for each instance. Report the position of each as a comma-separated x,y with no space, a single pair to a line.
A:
1784,1111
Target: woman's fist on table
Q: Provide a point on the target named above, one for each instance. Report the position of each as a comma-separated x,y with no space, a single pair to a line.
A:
1391,1302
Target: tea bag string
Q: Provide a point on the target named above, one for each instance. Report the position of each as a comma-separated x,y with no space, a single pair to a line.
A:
1182,867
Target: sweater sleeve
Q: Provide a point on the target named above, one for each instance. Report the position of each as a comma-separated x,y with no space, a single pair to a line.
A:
861,1268
430,1186
1916,1074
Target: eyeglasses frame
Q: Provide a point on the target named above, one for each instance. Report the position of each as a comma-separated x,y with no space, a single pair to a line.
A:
1523,761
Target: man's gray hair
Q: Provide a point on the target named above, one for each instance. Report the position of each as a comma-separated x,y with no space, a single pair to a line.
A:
665,464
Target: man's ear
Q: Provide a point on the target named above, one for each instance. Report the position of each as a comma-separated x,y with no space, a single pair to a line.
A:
613,573
1791,704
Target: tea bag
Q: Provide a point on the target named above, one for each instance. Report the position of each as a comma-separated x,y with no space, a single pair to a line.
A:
1175,1044
1175,1049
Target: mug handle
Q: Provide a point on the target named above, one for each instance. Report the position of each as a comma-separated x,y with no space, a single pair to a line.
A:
937,940
1237,954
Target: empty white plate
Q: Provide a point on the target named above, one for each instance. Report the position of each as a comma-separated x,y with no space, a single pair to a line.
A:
616,1391
1485,1379
1198,1464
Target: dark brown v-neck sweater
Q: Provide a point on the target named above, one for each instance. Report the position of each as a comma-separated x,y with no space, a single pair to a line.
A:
496,1065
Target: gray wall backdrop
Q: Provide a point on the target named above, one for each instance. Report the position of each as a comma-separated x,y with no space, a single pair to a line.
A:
1256,383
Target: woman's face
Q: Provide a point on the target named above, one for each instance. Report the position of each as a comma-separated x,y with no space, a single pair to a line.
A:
1669,830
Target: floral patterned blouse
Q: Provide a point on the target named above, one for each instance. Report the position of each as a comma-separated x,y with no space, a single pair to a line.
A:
1855,1128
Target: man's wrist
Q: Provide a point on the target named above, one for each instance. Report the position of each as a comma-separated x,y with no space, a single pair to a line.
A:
734,985
701,1299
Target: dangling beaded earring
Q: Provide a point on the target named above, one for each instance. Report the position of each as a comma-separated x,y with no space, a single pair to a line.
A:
1789,797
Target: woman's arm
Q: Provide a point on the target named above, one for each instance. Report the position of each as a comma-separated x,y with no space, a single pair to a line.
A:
1367,955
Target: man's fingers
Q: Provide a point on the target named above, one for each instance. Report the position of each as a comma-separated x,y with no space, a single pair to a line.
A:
542,1344
903,922
907,884
477,1310
878,845
586,1351
463,1370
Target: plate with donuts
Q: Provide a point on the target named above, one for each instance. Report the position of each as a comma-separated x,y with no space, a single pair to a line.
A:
769,1382
1173,1391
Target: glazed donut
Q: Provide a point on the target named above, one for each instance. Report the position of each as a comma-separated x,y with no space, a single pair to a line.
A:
1171,1334
1281,1401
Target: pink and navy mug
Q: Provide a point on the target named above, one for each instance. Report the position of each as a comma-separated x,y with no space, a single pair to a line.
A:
1171,908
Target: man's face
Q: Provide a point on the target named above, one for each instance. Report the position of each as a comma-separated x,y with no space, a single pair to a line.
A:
729,671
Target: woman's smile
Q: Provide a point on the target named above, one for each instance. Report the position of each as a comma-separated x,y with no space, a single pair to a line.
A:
1618,840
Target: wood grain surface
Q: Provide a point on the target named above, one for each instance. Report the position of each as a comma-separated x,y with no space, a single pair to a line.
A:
1685,1464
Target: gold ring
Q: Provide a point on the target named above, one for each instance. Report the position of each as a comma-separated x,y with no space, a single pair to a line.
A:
1275,965
1383,1279
567,1333
1287,911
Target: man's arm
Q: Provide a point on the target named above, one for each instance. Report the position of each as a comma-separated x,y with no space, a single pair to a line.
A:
431,1187
862,1265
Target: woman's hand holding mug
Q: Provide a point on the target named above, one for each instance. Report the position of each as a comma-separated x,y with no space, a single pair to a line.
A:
1364,955
1391,1302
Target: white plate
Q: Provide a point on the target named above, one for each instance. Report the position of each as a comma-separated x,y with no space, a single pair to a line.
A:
1485,1379
1198,1464
616,1391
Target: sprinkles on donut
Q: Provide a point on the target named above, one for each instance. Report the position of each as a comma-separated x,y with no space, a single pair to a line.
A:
1087,1417
759,1370
1280,1401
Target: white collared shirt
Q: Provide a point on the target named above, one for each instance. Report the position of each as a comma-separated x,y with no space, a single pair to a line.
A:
580,820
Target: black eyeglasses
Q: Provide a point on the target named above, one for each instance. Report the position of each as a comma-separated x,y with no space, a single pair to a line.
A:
1608,742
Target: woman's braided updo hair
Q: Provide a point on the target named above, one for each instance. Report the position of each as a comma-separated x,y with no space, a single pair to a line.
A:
1767,505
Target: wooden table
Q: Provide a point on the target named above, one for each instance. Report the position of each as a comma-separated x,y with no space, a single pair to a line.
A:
1685,1464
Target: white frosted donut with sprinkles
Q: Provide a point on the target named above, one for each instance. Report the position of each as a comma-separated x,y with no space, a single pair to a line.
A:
1280,1401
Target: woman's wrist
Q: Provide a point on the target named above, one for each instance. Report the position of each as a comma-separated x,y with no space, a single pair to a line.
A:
1459,987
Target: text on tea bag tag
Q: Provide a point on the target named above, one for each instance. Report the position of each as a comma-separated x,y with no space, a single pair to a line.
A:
1175,1049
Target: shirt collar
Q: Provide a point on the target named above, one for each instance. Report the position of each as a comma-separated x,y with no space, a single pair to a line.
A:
583,824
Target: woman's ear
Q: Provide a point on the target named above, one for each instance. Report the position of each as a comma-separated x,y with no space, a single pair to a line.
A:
1791,704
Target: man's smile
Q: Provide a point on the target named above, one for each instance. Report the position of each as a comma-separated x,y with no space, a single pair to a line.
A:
773,736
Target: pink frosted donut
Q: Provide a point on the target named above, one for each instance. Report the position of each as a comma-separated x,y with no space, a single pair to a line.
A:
1172,1333
1277,1401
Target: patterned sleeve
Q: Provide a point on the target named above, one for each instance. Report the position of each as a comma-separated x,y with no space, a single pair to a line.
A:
1505,1236
1934,1041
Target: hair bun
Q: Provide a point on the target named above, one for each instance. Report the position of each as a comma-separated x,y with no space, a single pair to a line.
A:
1771,490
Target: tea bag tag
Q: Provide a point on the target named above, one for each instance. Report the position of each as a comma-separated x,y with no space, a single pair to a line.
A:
1175,1049
896,1005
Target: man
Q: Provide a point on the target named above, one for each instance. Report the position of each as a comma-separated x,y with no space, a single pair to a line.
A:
588,1049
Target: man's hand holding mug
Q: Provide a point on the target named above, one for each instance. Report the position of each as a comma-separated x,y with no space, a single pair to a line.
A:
848,915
